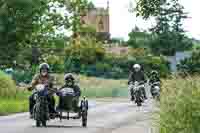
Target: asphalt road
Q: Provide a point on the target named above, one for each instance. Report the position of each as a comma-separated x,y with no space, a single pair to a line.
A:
113,116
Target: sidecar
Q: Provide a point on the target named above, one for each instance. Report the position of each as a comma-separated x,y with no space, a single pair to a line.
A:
69,103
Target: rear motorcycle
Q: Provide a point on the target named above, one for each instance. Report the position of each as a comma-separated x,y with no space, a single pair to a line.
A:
155,90
137,92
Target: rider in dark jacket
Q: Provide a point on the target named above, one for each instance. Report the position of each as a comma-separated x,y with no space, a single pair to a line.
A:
70,82
137,75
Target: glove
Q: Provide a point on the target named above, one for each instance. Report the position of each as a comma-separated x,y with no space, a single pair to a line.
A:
130,82
29,88
58,93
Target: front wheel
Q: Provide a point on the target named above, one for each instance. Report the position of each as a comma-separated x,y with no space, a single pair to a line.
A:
44,123
84,112
139,104
138,98
84,119
37,123
84,123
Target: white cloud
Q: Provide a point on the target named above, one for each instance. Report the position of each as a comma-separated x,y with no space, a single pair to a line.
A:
192,24
122,21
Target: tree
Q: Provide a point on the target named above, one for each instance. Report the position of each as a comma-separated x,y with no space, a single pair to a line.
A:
190,65
138,38
168,34
86,51
27,26
119,41
77,9
148,8
91,5
15,26
25,23
181,40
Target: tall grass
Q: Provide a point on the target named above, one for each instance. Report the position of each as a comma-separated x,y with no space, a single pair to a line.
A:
14,105
180,106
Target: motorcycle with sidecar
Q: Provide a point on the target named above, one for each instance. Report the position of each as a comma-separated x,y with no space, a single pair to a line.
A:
68,103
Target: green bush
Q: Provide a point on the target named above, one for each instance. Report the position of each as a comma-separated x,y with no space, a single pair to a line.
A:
56,63
138,52
113,66
85,51
190,65
7,86
22,76
121,65
88,56
156,63
180,106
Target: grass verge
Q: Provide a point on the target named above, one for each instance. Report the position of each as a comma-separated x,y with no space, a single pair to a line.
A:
180,106
16,104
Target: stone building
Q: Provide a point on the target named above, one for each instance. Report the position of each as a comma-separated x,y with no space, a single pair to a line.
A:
99,19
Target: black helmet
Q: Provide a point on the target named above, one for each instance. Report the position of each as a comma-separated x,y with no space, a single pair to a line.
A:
44,66
154,73
69,76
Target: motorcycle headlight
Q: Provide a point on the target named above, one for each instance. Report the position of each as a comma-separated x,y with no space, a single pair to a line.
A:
35,96
136,83
157,88
40,87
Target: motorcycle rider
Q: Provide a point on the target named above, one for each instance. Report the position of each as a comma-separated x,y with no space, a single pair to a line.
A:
137,75
70,82
154,77
43,78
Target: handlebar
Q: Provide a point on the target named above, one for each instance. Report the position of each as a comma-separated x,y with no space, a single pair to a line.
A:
158,82
139,82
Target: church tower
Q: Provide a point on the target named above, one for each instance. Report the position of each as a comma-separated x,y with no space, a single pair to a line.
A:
99,19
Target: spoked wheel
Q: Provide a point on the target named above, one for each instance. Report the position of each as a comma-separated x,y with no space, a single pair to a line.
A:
60,115
84,119
139,104
138,99
38,123
44,123
84,112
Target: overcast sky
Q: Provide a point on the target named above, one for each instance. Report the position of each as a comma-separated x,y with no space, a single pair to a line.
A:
122,22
